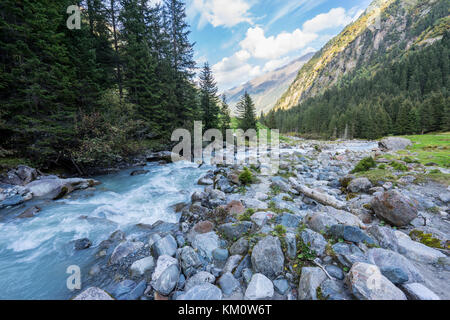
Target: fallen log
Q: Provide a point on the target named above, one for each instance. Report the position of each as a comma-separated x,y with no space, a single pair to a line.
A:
318,196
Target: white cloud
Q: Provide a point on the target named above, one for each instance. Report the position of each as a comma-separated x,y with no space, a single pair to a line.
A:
275,64
336,17
273,47
226,13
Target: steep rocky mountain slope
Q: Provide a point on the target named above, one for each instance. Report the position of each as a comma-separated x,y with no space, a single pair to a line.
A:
387,29
268,88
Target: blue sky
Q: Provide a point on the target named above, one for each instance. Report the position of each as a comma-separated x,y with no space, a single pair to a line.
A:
242,39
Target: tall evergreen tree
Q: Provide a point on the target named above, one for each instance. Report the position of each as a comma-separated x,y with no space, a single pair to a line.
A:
225,115
209,99
246,113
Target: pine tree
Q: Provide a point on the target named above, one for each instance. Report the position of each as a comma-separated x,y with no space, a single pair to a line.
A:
246,113
209,99
225,115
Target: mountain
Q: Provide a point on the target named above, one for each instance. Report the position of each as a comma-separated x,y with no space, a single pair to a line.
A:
386,27
265,90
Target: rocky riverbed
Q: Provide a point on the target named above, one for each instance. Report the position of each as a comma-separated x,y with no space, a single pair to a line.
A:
313,231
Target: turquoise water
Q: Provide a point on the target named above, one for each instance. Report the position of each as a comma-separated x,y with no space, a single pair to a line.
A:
35,253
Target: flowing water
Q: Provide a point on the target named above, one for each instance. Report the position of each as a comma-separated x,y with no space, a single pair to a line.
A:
35,253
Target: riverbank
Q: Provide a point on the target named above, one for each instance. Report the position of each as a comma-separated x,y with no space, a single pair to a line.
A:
313,231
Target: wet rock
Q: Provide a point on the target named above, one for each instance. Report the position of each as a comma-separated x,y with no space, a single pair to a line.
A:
359,185
267,257
395,265
240,247
416,250
394,144
142,266
165,156
198,196
417,291
367,283
168,280
310,280
29,213
385,237
235,230
199,278
314,240
12,201
123,250
82,244
121,290
22,175
228,283
138,172
394,208
259,288
205,291
350,233
205,181
58,188
93,293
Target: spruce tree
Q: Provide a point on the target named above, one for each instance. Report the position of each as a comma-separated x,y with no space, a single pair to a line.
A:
225,115
209,100
246,113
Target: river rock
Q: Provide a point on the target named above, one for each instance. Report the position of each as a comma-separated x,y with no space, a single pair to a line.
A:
205,291
232,263
281,286
240,247
235,230
29,213
206,243
199,278
416,250
251,203
189,260
359,185
350,233
82,244
259,288
289,220
394,266
267,257
168,280
394,144
347,254
165,246
334,290
367,283
314,240
394,208
260,218
142,266
417,291
198,196
203,227
228,283
220,254
58,188
123,250
310,280
93,293
335,271
138,172
235,207
162,264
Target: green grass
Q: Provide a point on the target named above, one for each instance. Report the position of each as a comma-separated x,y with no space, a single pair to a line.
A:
430,148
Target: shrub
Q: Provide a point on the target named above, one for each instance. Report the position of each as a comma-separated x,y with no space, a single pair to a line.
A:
398,166
246,176
365,165
382,166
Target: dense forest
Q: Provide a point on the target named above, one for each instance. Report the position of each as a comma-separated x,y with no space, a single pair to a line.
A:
404,96
95,95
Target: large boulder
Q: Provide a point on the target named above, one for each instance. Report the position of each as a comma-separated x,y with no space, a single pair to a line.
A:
206,243
168,280
394,208
416,250
57,188
123,250
189,260
350,233
367,283
22,175
142,266
267,257
417,291
162,264
314,240
394,144
165,246
259,288
385,236
198,279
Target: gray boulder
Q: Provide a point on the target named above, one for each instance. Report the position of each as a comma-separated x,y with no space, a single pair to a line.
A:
417,291
205,291
267,257
235,230
385,237
394,208
168,280
359,185
93,293
394,144
165,246
199,279
123,250
350,233
314,240
240,247
228,283
189,260
142,266
310,280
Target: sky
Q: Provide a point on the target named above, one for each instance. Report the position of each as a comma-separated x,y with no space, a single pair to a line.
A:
242,39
